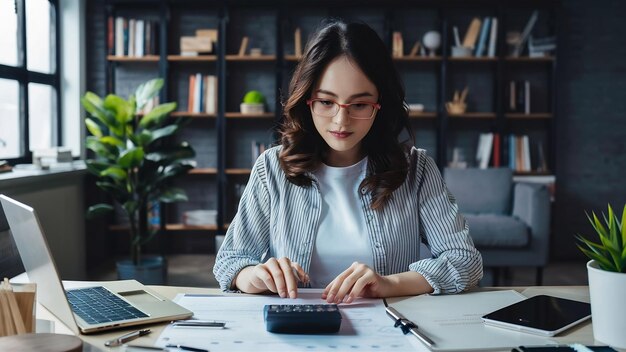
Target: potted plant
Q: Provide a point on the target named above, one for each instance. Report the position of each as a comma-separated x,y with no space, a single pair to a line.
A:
134,165
253,103
607,277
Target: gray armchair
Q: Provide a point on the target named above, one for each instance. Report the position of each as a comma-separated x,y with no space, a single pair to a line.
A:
509,223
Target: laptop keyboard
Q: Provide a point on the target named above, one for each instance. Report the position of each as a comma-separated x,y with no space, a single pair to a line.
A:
98,305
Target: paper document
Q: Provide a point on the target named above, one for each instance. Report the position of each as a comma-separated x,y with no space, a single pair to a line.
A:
364,327
454,322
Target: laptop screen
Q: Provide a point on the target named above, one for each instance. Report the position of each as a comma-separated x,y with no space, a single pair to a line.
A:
35,254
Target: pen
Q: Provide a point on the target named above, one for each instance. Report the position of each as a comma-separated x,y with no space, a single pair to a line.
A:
408,326
126,337
199,323
186,348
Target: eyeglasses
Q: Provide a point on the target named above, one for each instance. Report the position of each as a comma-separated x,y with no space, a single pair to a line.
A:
359,110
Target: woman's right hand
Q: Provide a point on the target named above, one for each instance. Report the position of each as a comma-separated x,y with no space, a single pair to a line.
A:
276,275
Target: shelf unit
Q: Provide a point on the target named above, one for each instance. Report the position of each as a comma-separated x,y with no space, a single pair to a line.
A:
219,139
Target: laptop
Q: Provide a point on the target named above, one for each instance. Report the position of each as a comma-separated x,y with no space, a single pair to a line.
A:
105,306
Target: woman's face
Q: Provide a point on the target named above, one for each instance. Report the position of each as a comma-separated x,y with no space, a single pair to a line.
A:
343,82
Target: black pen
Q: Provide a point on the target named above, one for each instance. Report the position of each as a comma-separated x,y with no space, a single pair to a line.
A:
186,348
126,337
199,323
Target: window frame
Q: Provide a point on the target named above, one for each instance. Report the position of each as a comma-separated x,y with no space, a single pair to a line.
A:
24,77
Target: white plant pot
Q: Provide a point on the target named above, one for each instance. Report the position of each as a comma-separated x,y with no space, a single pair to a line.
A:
607,291
252,108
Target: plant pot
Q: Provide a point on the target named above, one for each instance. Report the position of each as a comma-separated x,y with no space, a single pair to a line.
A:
607,291
151,271
252,108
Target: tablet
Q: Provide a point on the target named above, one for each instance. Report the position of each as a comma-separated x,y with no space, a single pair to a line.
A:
542,315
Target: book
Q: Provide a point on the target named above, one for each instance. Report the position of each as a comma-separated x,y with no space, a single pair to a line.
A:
210,95
483,151
493,37
483,38
139,38
496,150
527,97
131,36
526,154
192,87
110,35
119,36
415,49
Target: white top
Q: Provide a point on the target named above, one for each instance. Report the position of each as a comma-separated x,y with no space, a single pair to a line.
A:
342,236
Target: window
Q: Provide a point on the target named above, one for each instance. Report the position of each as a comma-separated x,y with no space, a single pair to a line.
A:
29,78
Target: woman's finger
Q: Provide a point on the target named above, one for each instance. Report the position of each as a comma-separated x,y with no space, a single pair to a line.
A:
291,284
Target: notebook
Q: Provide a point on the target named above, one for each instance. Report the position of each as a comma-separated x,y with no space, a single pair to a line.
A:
105,306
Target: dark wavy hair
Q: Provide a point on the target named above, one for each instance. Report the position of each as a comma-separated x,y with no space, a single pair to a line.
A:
303,147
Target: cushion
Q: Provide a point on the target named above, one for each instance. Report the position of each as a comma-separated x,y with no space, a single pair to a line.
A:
481,191
497,231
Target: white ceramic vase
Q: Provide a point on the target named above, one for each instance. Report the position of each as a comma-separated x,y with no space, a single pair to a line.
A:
608,305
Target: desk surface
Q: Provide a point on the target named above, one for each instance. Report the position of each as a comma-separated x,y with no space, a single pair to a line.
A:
580,334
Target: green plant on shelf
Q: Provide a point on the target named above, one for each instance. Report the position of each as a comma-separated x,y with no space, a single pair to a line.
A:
132,162
254,97
610,252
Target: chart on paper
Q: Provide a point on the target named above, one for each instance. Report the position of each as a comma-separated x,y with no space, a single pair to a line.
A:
364,327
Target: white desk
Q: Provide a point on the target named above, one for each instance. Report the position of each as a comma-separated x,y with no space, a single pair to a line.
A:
580,334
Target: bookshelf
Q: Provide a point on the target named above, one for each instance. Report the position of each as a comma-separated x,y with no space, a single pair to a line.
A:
223,139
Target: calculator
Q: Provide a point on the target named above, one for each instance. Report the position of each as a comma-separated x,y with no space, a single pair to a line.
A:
302,318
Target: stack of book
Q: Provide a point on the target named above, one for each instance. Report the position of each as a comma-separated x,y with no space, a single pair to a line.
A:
202,94
132,37
541,47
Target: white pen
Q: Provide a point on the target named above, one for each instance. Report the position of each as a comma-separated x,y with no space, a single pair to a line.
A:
126,337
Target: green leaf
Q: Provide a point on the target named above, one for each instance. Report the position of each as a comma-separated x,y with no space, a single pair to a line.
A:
98,209
143,138
602,261
172,195
622,226
93,127
130,207
101,149
94,105
171,154
164,132
96,167
115,173
123,109
147,91
113,141
131,158
157,115
117,190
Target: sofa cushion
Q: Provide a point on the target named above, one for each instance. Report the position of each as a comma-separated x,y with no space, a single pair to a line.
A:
497,231
481,191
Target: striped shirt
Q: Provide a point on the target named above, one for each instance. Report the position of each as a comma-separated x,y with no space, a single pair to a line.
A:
277,218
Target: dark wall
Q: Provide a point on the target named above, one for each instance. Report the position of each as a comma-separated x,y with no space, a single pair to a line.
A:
591,126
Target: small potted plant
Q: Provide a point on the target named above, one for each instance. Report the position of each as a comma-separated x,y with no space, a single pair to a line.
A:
607,277
253,103
135,166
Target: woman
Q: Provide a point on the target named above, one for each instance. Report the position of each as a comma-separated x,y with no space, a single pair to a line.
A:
341,204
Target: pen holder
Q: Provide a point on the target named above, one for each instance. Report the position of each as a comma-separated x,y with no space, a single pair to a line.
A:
17,304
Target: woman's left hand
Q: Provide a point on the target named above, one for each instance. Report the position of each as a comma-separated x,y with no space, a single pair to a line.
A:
359,280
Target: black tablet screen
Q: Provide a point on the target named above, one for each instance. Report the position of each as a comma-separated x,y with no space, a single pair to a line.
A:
542,312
